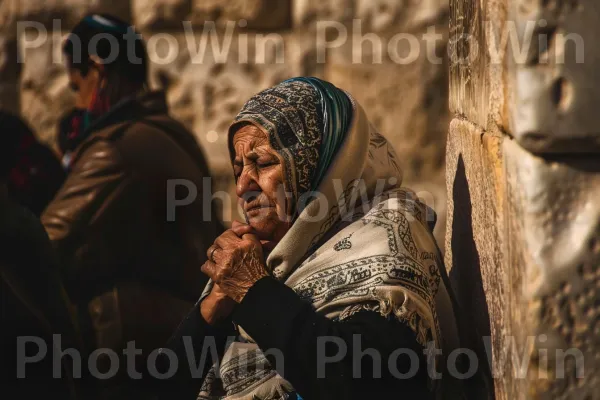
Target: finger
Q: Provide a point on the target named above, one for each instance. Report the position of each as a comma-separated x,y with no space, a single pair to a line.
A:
212,250
252,238
235,224
227,239
209,268
242,229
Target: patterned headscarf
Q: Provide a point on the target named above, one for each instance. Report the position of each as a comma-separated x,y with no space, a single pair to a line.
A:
306,120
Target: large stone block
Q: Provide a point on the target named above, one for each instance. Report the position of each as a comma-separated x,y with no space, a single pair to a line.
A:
61,13
477,53
207,89
523,258
557,232
248,14
474,251
400,15
307,13
555,79
257,14
405,95
372,15
45,93
160,14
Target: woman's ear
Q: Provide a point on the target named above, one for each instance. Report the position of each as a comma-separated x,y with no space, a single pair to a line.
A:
96,62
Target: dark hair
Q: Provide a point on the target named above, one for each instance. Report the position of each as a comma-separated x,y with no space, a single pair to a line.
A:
12,132
108,38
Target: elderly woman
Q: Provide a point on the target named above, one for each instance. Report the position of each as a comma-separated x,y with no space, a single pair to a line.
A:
334,282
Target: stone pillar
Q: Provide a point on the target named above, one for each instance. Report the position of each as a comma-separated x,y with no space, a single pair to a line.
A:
523,182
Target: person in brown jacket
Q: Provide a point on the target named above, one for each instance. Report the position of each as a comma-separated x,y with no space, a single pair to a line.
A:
130,247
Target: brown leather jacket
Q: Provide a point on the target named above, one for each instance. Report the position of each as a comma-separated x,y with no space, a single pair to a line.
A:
135,271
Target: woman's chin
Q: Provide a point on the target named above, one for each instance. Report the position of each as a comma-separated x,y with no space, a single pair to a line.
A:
263,228
267,229
267,224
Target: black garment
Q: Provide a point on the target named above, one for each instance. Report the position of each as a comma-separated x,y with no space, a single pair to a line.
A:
276,318
32,303
32,171
36,178
70,131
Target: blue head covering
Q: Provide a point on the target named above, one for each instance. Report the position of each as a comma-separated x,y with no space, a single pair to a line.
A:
307,120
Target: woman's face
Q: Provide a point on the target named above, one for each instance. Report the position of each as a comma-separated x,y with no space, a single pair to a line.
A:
84,86
258,170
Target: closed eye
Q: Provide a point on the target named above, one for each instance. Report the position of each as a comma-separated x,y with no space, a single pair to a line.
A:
268,164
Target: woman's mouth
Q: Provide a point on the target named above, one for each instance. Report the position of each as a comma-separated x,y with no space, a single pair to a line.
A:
257,209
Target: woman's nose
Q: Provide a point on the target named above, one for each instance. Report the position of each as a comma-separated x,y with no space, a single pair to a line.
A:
246,186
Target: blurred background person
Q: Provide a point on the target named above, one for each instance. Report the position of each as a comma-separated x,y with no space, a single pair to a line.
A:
32,299
132,273
34,173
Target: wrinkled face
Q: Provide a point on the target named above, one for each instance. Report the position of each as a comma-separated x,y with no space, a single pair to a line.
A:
258,170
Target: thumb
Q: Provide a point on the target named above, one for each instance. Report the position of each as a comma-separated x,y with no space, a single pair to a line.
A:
235,224
241,229
252,238
209,268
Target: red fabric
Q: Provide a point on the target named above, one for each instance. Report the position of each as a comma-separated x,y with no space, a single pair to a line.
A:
35,176
19,175
75,128
100,103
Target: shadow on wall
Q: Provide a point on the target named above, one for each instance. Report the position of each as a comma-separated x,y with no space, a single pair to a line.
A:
466,281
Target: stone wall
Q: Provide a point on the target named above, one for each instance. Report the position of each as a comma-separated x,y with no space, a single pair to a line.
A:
271,40
522,180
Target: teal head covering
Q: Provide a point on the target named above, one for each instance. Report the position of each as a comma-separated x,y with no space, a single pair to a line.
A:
306,120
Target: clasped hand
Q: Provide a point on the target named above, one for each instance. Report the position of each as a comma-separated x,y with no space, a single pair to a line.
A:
236,261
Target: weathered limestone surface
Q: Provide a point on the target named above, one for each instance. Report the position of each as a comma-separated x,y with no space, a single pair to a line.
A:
170,14
522,253
307,13
374,15
558,231
44,84
259,14
206,90
160,14
477,61
555,82
400,99
527,225
475,243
